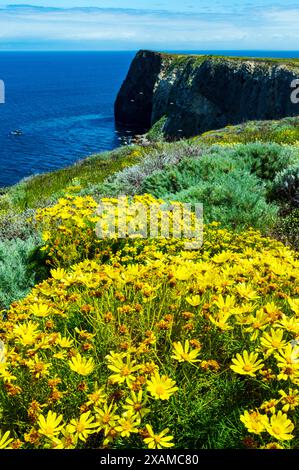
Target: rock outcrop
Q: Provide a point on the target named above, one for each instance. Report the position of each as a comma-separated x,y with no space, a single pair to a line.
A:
194,94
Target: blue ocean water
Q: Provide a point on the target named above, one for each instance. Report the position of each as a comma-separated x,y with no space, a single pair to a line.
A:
63,104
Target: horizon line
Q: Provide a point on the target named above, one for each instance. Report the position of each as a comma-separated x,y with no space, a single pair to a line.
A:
149,49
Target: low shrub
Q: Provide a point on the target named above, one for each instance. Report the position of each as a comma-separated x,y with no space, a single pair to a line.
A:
129,180
267,160
223,182
287,229
15,225
15,278
236,199
192,171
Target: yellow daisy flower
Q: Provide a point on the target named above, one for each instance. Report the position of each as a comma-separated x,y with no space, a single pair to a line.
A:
127,424
158,441
136,404
289,400
50,426
81,365
254,421
248,364
184,354
83,427
195,300
40,310
124,368
273,340
280,427
26,333
106,418
246,291
5,440
161,388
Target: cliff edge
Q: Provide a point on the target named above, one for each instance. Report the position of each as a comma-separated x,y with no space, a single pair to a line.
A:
194,94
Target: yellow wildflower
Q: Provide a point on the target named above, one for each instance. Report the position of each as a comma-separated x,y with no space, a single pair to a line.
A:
161,387
258,322
83,427
269,406
106,418
81,365
254,421
225,304
289,355
136,404
5,440
5,374
246,292
247,364
97,397
289,400
59,274
195,300
123,367
38,368
64,342
273,341
280,427
272,446
40,310
294,304
221,320
26,333
67,441
127,424
184,354
50,426
290,324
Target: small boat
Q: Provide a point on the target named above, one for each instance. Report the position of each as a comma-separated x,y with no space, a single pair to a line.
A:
16,132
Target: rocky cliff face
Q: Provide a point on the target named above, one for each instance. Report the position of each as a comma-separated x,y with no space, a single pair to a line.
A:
201,93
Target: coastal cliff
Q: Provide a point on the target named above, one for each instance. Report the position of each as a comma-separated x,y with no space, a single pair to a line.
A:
193,94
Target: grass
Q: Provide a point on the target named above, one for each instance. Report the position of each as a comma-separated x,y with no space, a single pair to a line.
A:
37,190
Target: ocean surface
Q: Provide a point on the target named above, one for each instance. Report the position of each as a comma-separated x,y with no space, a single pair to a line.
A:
62,102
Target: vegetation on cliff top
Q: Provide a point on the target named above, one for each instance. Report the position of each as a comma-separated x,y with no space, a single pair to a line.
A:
197,59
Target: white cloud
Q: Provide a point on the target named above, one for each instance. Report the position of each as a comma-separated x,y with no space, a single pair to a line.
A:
128,28
282,17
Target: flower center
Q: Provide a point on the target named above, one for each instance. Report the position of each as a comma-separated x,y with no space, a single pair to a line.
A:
49,430
106,418
125,371
185,356
127,426
276,429
80,427
160,390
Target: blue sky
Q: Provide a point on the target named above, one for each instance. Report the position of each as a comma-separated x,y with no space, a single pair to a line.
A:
156,24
